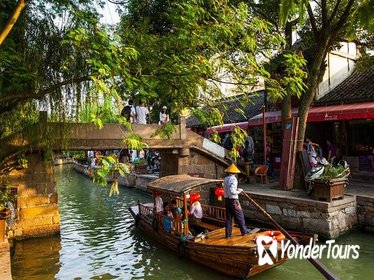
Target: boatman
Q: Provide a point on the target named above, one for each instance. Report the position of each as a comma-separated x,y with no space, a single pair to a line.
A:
233,207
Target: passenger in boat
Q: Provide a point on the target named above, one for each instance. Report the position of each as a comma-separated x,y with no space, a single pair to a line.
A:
158,202
232,204
196,211
177,212
167,211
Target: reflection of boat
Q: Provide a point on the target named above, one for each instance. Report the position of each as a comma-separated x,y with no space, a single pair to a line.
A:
236,256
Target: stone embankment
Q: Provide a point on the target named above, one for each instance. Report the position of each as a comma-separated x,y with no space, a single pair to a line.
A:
365,212
5,269
328,220
129,180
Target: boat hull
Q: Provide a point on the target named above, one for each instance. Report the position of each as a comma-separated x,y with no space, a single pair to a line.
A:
237,261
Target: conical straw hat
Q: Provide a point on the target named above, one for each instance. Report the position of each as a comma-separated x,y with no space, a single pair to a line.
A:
232,169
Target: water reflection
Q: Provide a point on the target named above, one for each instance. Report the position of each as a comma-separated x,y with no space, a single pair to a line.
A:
36,259
98,241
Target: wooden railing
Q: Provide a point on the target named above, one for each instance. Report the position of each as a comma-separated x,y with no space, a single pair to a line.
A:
214,212
146,211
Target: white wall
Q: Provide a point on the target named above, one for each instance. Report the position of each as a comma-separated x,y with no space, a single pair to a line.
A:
340,64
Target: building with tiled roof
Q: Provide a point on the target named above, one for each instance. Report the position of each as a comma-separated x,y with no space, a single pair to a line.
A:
357,88
236,109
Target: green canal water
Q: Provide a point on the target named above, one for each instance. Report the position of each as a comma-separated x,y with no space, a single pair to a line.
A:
98,241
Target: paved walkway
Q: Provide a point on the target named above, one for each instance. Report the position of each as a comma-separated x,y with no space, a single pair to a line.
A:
360,188
354,188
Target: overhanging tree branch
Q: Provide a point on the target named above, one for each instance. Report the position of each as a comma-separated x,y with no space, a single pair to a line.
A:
312,21
324,13
8,27
334,11
343,18
33,95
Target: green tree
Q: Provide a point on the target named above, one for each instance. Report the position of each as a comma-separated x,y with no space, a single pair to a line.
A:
327,23
184,48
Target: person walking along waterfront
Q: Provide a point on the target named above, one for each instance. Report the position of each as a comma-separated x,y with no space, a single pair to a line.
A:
248,159
232,204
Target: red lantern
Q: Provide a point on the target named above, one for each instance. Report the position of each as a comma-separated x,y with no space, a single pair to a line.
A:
194,197
219,192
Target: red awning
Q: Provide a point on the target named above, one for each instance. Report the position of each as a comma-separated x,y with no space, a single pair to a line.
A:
342,112
324,113
316,114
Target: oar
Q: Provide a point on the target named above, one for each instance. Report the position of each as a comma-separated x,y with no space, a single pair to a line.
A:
317,264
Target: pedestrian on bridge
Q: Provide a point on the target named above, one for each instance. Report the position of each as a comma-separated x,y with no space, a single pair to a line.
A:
141,113
164,116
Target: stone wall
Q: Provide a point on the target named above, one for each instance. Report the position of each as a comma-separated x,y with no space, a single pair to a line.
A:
37,208
328,220
365,212
199,164
169,162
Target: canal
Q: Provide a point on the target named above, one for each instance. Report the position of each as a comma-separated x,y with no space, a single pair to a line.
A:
98,241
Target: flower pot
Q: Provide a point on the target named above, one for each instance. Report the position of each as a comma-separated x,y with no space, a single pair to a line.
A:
329,190
141,169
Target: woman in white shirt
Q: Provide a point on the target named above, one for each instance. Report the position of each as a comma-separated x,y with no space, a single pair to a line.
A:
164,116
196,211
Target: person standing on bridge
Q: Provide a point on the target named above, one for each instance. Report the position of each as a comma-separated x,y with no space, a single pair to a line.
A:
232,204
129,111
141,113
164,116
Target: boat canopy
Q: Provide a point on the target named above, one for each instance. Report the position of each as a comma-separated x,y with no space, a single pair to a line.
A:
179,184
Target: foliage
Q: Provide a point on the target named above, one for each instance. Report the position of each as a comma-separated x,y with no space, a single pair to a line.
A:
134,142
22,115
110,167
237,138
6,195
169,52
289,73
198,43
215,137
23,162
331,172
365,63
98,113
78,154
127,125
165,131
140,161
327,24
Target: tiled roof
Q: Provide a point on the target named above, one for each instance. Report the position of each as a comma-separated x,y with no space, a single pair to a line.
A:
250,107
358,87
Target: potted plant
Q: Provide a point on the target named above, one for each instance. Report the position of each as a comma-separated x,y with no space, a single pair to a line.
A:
332,182
140,166
6,195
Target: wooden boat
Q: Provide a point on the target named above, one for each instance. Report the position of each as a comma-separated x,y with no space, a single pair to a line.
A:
236,256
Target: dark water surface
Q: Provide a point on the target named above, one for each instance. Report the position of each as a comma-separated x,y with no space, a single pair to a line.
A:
98,241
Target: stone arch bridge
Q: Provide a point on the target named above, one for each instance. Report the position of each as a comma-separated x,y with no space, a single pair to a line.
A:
37,208
186,151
